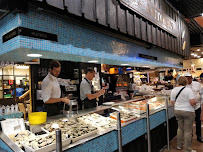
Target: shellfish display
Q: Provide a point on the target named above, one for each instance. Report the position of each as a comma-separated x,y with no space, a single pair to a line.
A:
98,121
22,136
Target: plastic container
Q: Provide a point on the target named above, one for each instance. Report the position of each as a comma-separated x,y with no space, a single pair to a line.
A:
36,118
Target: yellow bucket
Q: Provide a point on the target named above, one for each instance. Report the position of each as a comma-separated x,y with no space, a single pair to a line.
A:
36,118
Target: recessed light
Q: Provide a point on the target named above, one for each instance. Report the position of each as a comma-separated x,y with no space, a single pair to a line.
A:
192,54
146,66
195,55
198,49
34,55
124,64
93,61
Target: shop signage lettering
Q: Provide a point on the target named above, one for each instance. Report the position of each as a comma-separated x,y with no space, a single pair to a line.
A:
148,10
10,35
147,56
29,33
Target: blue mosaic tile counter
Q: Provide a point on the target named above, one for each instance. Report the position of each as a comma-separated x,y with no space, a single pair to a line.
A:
13,115
108,142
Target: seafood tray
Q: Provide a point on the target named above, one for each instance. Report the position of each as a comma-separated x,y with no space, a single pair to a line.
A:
21,136
98,121
62,123
125,116
45,143
76,130
135,108
81,131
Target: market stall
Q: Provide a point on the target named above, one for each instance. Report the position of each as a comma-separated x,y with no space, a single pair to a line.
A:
89,131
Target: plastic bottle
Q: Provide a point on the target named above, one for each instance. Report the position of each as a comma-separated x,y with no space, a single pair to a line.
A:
16,108
12,108
3,109
8,109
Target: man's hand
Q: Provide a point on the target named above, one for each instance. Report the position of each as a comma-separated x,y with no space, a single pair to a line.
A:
65,100
102,91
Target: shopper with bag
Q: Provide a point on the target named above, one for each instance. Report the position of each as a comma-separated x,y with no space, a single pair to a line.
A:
184,102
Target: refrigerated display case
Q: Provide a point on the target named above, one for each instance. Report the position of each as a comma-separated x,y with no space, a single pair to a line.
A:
89,128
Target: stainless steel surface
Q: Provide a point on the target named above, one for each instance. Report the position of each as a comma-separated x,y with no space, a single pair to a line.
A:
148,128
10,143
119,132
58,140
167,124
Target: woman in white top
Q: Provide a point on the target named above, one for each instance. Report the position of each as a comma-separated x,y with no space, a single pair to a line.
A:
184,100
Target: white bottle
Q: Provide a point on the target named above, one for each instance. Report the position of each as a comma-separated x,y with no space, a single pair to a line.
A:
12,108
16,108
3,109
8,109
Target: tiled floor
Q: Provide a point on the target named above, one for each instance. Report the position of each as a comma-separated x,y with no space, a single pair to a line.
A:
195,144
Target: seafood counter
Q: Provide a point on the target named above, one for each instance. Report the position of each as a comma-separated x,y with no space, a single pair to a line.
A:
82,128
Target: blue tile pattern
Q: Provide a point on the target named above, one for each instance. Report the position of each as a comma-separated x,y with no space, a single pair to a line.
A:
133,131
7,24
13,115
157,119
105,143
79,40
4,147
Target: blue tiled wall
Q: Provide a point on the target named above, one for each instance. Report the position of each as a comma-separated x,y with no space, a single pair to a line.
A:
7,24
78,40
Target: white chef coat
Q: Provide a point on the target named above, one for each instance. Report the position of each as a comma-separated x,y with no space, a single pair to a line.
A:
50,88
196,89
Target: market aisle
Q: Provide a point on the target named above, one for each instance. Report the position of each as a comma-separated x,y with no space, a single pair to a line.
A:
195,144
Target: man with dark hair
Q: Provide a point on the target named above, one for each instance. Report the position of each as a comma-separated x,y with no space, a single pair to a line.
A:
51,91
87,92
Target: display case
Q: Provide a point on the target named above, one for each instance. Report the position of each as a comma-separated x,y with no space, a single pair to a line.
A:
138,108
91,125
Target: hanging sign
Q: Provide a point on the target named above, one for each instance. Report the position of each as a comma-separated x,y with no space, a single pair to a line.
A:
152,13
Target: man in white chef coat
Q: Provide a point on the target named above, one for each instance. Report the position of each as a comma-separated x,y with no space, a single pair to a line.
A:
51,91
196,88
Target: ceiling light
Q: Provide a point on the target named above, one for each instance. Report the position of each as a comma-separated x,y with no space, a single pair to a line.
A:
198,49
202,14
202,52
198,56
124,64
93,61
146,66
34,55
192,54
195,55
22,67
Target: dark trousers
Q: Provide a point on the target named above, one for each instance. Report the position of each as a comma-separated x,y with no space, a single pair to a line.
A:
198,122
